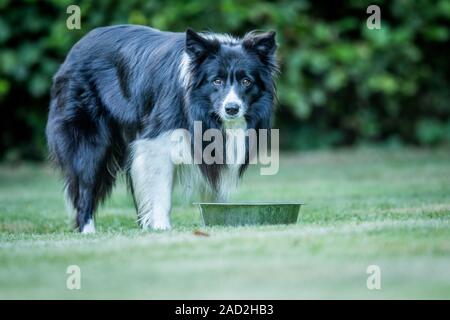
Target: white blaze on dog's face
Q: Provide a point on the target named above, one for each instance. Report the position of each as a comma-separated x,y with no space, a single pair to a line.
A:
232,105
229,78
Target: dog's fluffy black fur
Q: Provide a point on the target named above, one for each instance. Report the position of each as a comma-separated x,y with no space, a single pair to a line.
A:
126,83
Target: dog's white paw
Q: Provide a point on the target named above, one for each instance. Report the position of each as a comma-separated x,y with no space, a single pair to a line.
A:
89,227
160,225
152,221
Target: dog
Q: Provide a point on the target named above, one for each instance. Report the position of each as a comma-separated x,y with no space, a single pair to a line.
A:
122,90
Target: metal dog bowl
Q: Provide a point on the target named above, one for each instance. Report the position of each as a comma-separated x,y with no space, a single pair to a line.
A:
241,214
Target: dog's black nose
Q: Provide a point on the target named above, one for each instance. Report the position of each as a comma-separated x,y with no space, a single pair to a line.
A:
232,109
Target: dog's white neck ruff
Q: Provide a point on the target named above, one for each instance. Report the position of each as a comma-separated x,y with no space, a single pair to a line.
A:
184,70
236,130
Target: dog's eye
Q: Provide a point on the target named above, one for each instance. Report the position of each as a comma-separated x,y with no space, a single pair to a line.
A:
217,82
246,82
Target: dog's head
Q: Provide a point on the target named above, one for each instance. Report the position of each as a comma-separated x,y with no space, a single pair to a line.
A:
232,78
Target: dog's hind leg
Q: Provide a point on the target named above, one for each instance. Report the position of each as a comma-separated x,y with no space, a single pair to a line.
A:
151,173
95,179
86,206
90,164
80,198
84,142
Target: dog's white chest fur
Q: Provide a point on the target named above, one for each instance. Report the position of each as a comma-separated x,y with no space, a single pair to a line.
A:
195,184
236,152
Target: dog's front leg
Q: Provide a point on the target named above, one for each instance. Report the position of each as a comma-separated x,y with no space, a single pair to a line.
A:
151,174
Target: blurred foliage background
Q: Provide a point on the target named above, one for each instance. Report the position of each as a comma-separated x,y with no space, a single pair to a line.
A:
341,83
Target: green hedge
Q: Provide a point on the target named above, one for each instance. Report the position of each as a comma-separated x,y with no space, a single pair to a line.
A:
341,83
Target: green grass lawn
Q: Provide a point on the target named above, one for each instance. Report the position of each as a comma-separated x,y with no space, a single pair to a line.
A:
389,208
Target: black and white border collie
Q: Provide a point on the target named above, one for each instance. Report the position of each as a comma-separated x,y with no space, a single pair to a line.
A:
123,90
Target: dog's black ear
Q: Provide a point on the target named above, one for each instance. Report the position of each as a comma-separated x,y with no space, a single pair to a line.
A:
263,44
198,47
